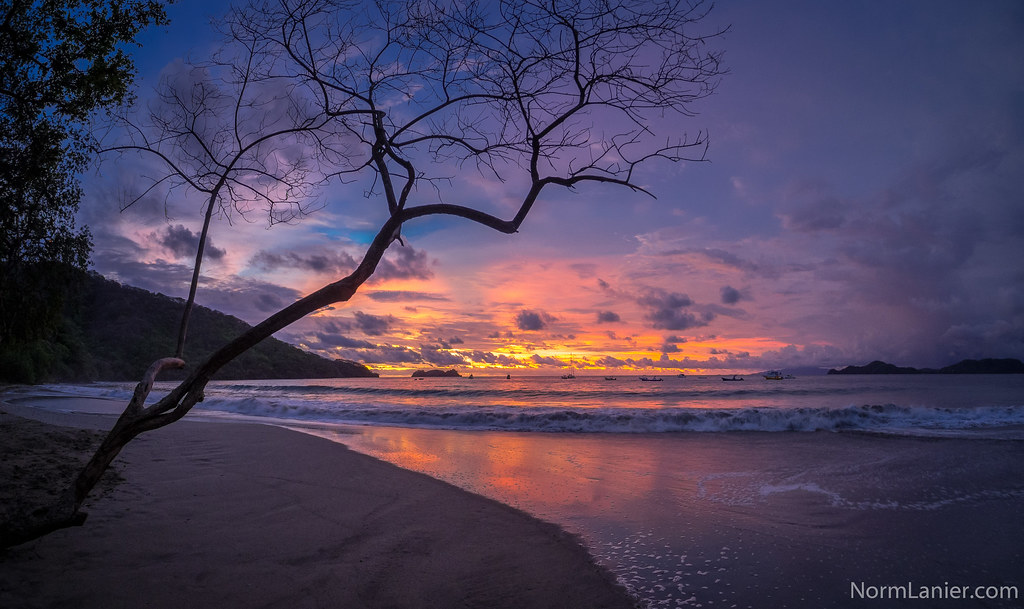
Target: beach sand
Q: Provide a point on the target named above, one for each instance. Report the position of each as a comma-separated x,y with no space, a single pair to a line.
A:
210,514
757,519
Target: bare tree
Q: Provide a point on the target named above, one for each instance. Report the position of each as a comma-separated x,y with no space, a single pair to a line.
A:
245,142
542,94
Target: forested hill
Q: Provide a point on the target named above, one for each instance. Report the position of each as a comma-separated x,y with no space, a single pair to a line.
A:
114,332
967,366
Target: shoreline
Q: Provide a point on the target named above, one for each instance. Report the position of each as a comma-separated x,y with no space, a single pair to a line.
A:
733,519
233,514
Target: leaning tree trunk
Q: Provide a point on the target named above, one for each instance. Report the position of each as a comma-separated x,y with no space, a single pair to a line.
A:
138,418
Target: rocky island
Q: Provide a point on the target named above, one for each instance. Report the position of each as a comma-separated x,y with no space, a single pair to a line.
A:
437,373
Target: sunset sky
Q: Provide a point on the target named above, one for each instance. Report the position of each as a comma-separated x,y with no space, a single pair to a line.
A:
863,199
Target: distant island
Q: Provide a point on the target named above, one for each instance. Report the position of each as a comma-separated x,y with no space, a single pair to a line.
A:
113,332
437,373
967,366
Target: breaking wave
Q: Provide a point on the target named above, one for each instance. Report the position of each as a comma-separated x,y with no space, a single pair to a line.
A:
887,418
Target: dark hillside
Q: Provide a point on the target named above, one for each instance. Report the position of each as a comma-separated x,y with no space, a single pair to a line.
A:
117,331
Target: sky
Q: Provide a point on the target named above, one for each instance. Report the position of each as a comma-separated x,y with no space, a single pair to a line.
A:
863,199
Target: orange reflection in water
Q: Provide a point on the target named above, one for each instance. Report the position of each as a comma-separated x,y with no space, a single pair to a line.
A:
541,472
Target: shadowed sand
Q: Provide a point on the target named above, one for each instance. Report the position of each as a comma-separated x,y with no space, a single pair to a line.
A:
241,515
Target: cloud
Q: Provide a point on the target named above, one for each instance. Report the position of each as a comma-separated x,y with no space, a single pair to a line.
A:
383,354
666,310
494,359
731,295
439,357
669,348
336,263
546,361
398,263
183,243
611,362
268,303
404,296
530,321
337,340
403,263
607,317
373,325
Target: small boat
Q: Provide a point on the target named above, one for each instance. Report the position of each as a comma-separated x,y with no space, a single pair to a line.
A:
681,375
610,378
773,375
572,370
734,378
649,379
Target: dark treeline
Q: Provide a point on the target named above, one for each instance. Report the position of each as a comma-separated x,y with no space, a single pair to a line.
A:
111,332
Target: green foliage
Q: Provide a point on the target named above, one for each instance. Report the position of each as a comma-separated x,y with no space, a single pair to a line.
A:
62,60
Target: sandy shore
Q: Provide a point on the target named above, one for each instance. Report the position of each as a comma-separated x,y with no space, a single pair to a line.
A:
238,515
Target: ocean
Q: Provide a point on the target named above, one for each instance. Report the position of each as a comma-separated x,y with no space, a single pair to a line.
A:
823,491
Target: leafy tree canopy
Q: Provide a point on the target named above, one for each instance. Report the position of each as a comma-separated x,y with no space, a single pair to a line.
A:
62,60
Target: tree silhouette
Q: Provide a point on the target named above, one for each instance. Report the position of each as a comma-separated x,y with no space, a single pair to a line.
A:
60,63
409,95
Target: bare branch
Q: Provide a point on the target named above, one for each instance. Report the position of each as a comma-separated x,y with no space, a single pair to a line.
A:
405,92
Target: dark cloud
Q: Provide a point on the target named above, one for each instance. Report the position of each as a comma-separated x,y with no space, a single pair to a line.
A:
731,295
729,259
163,277
661,299
268,302
337,340
404,296
373,325
437,356
383,354
403,263
494,359
810,207
336,326
249,299
546,361
611,362
398,263
667,311
530,321
607,317
672,319
183,243
336,263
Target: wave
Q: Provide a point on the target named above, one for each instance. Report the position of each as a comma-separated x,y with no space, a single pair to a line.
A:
489,394
887,418
607,410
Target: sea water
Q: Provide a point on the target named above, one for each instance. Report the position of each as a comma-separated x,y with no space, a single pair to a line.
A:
917,404
699,492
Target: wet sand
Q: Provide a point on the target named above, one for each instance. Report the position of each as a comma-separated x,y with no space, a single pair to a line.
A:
241,515
755,519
